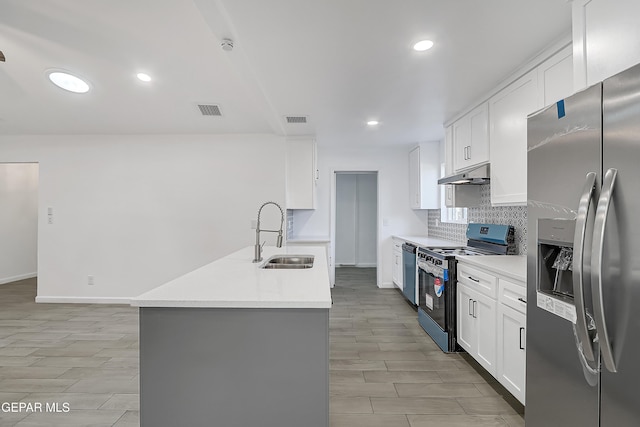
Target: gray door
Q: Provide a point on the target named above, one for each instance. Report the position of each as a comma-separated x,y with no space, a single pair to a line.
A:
564,145
621,250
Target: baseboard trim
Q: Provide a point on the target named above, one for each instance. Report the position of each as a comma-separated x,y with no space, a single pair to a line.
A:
18,277
387,285
361,265
83,300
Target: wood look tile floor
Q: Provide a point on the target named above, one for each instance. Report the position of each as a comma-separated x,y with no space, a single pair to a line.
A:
384,369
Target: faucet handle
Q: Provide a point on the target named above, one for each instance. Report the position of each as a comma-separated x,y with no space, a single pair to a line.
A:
262,245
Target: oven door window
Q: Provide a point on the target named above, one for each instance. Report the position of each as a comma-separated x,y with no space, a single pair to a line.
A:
432,296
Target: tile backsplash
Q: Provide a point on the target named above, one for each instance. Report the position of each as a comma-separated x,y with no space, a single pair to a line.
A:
485,213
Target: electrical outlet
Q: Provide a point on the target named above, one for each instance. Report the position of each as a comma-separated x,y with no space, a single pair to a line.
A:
49,215
90,281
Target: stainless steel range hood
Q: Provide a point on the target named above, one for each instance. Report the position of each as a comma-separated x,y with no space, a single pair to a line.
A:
477,176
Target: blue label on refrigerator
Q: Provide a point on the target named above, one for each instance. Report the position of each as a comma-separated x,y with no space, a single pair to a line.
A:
560,106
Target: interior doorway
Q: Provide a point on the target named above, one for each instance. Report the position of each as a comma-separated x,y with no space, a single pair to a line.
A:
19,222
356,224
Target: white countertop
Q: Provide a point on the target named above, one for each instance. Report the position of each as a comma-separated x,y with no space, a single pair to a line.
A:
425,241
511,266
236,282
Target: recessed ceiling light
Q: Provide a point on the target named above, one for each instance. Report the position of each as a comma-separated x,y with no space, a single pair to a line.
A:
68,82
423,45
372,122
143,77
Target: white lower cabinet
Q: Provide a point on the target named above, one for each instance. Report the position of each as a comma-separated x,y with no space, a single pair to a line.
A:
491,316
512,339
397,266
477,312
477,326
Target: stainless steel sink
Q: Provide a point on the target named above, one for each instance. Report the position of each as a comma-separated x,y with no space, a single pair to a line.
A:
289,262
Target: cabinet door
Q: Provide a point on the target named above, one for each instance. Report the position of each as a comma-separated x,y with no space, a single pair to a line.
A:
478,151
400,270
414,178
397,268
448,151
511,350
555,77
461,142
301,174
509,110
466,327
485,317
606,37
424,171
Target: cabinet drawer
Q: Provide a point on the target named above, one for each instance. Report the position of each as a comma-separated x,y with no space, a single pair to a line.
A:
482,282
513,295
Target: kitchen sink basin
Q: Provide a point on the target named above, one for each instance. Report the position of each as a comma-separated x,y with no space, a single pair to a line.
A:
289,262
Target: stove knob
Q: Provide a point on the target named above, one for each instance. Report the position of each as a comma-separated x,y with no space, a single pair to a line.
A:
439,262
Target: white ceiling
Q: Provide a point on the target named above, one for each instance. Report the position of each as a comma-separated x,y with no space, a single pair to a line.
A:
340,62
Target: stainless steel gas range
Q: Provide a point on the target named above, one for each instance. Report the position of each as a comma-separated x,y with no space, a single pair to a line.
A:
437,278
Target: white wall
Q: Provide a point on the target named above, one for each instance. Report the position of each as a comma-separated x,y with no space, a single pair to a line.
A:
137,211
395,217
356,219
18,221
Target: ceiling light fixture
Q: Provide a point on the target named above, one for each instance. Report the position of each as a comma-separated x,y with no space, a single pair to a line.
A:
143,77
373,123
423,45
69,82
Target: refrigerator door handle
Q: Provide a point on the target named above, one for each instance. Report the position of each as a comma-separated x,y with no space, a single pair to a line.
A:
602,213
578,259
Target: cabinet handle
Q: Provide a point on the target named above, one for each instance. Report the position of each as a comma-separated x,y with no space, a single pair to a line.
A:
474,279
522,300
465,153
474,310
470,309
521,331
469,153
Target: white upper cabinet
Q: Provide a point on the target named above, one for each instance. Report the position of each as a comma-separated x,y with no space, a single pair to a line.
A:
448,151
549,82
555,77
509,110
496,131
301,174
424,168
606,36
471,139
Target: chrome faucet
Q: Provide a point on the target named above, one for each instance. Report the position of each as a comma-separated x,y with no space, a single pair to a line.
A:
258,247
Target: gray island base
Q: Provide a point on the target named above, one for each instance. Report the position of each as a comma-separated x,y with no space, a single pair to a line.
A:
234,367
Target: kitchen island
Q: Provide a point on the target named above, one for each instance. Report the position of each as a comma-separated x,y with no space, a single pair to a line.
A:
232,344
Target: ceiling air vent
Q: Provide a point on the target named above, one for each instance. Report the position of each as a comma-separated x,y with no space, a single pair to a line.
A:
210,110
296,119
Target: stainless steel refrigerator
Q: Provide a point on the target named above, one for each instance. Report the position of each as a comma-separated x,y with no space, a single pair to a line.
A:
583,266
